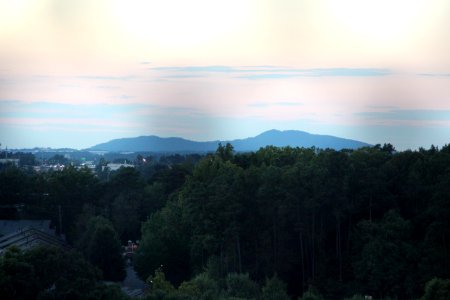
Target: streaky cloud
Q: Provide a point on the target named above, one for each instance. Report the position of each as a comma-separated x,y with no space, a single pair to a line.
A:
86,77
215,69
184,76
53,110
270,76
284,103
332,72
107,87
435,74
271,104
124,78
408,114
274,72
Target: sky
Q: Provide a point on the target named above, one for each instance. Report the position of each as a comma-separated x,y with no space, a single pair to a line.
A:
78,73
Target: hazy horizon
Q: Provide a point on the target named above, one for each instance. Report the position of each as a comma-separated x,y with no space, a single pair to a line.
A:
176,137
78,73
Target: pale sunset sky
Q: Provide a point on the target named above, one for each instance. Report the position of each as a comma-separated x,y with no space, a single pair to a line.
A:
75,73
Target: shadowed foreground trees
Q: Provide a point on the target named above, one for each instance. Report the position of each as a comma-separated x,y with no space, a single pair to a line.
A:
164,243
370,221
102,248
51,273
329,224
437,289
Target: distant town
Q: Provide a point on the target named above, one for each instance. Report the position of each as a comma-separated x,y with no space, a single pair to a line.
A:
98,162
143,150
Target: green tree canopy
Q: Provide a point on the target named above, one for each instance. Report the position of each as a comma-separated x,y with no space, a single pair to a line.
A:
102,247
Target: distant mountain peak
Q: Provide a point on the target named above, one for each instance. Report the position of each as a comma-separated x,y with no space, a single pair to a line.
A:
277,131
274,137
271,131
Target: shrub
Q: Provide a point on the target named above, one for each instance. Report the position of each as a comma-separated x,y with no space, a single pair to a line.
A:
311,294
437,289
274,289
241,286
202,287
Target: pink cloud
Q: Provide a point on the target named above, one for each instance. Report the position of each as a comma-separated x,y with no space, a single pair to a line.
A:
68,121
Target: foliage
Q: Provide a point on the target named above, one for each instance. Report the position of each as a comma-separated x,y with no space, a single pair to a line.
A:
58,159
274,289
437,289
101,246
382,255
159,282
65,194
367,221
201,287
311,294
164,242
15,276
356,297
51,273
241,286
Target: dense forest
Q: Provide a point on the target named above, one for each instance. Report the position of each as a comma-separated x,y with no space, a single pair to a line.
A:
279,223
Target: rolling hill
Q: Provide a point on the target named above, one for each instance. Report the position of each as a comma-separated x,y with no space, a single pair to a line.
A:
293,138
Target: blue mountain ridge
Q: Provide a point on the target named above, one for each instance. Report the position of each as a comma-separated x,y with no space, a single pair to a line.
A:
292,138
